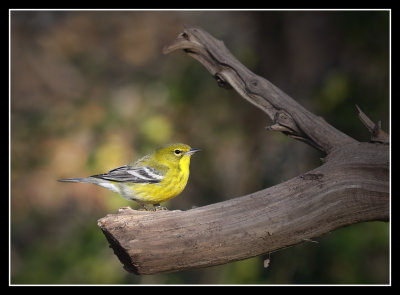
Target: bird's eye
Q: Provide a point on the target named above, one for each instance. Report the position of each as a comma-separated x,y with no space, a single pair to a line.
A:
177,152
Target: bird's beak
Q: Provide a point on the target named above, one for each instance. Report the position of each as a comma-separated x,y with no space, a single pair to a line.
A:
192,151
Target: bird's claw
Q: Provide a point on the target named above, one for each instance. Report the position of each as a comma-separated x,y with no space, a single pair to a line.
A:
159,208
154,208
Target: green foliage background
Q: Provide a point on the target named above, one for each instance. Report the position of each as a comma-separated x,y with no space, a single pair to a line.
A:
91,90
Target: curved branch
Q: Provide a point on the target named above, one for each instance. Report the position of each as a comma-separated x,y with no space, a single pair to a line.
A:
279,106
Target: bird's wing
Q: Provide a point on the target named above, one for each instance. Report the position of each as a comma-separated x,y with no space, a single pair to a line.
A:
132,174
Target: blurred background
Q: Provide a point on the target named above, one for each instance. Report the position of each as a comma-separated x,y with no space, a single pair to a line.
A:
91,90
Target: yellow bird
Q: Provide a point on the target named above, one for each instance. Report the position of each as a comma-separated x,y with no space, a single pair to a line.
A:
154,178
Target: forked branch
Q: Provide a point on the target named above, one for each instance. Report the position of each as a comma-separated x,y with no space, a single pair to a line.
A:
351,186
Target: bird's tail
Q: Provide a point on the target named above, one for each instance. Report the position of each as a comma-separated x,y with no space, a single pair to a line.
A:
82,180
101,182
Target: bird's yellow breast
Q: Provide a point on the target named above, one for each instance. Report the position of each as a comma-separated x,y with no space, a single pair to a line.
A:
173,184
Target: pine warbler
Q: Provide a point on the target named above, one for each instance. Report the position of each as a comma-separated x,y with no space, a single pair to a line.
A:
154,178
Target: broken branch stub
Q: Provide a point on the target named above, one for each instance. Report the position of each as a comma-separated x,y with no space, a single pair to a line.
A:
377,134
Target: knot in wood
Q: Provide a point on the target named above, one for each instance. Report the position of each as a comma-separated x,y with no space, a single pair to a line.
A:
282,116
284,119
185,36
221,82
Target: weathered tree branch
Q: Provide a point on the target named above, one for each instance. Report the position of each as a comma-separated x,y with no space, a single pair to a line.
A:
351,186
288,116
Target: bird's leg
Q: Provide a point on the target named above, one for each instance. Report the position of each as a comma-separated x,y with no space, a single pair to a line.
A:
143,207
157,207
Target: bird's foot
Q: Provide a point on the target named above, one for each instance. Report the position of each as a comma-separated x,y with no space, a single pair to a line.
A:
157,207
146,208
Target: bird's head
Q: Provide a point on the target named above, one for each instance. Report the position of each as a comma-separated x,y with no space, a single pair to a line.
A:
175,154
